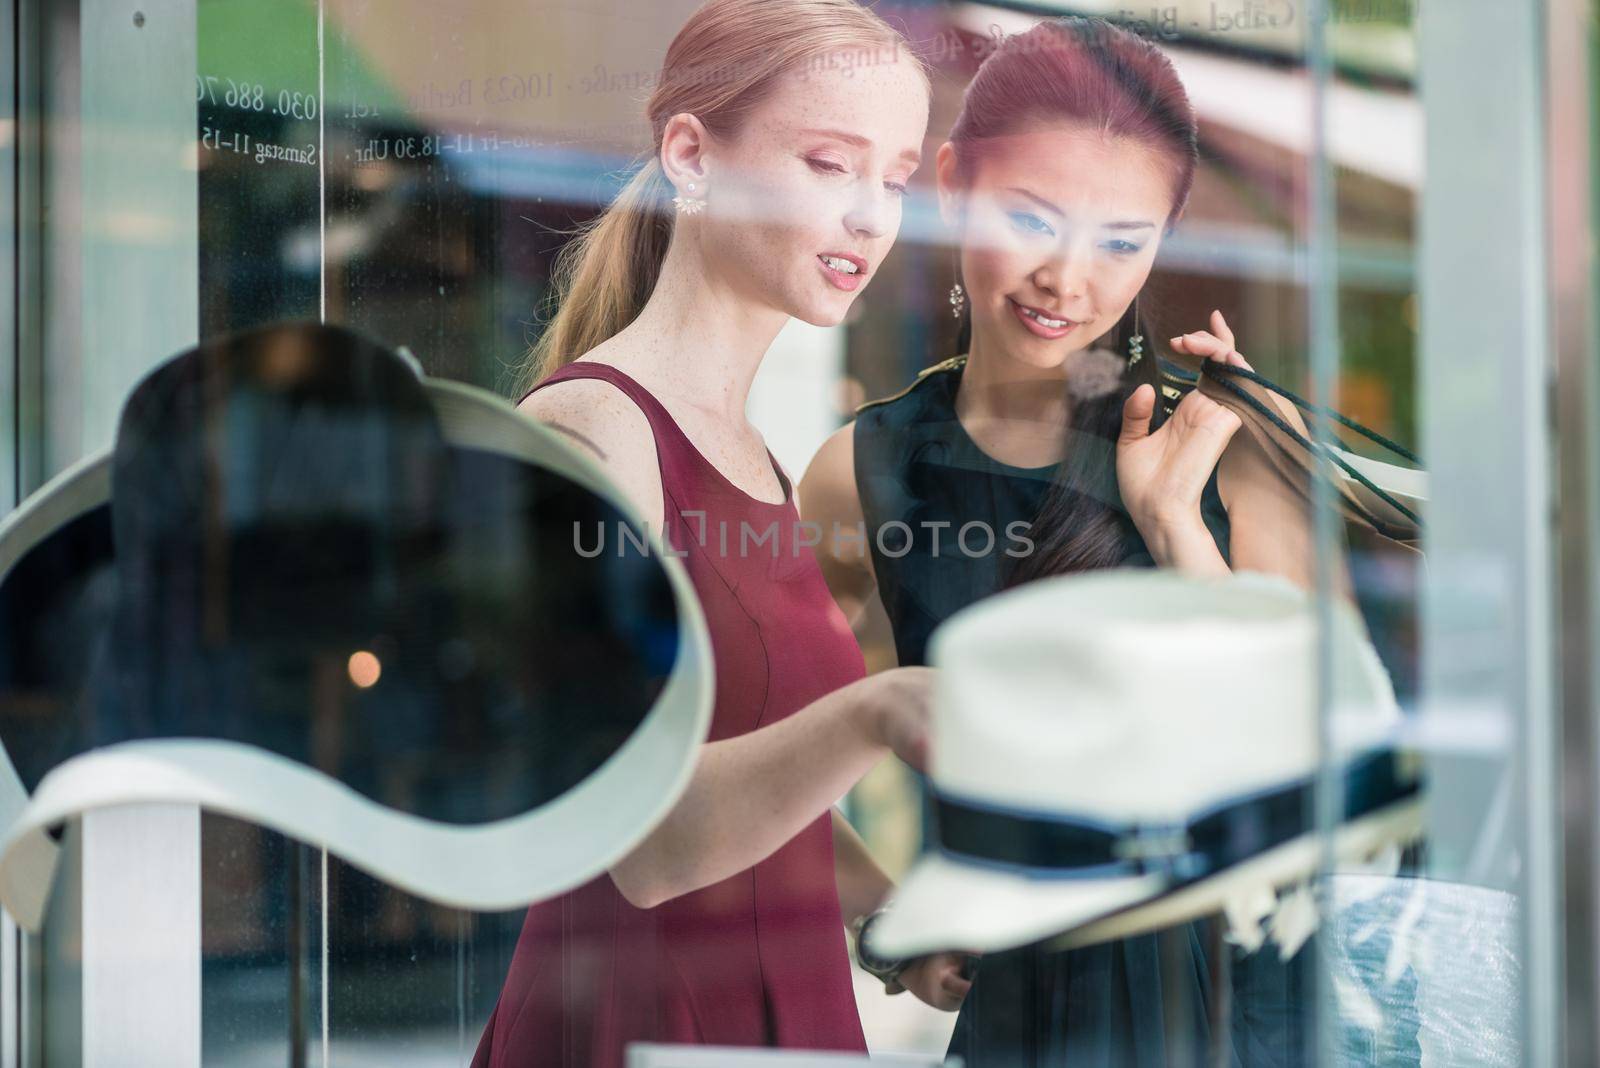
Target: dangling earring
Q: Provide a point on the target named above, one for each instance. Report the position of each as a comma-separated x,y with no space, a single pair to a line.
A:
1136,342
958,296
689,205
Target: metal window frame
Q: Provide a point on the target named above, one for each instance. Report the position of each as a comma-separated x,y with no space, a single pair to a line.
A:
1490,598
114,978
26,205
1552,397
1573,48
10,965
9,132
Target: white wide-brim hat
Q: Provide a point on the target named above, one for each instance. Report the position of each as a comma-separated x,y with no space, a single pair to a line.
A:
1121,751
539,771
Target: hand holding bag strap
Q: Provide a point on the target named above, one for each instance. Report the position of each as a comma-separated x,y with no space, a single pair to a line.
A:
1361,499
1254,399
1216,368
1264,418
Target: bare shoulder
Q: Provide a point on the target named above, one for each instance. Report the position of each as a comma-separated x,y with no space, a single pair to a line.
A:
829,498
603,420
828,488
1245,469
592,412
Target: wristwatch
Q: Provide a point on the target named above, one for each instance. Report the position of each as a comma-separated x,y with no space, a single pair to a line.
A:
884,968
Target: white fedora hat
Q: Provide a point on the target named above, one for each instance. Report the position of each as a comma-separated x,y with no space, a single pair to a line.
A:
1125,750
177,615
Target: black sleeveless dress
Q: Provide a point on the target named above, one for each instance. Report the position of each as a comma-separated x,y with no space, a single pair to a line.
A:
922,482
944,518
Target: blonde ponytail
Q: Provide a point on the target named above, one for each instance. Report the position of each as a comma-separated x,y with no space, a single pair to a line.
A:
605,274
720,66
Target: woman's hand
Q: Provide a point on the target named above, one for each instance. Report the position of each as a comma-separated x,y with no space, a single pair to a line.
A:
1214,344
895,707
1163,474
937,980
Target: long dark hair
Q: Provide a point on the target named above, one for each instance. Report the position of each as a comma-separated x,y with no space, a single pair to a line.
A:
1091,72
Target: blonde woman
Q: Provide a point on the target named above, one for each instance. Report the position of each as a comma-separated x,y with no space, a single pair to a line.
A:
784,132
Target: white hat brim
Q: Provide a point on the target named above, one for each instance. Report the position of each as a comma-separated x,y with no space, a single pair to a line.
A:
945,904
1288,863
508,863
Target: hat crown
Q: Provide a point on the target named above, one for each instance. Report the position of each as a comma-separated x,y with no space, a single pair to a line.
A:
306,442
1092,696
291,537
518,712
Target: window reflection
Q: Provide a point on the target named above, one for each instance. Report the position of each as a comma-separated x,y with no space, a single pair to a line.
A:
423,172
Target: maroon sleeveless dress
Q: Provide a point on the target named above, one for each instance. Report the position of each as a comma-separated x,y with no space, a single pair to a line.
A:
759,959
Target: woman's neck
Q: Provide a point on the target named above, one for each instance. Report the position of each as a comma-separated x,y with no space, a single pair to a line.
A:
696,338
1000,391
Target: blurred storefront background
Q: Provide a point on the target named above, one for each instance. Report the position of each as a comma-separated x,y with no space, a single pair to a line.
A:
1392,207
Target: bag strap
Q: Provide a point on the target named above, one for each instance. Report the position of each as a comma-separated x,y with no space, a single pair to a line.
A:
1216,368
1221,373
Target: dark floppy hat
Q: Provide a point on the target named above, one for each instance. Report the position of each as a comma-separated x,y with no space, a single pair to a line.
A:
390,615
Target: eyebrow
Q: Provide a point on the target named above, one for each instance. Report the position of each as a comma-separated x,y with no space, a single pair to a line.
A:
861,142
1125,224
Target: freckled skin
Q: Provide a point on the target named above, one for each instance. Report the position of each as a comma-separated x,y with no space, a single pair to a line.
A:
1071,268
773,211
774,199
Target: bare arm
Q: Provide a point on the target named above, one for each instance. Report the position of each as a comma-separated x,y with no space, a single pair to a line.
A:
750,794
601,419
1269,520
863,886
828,497
937,979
